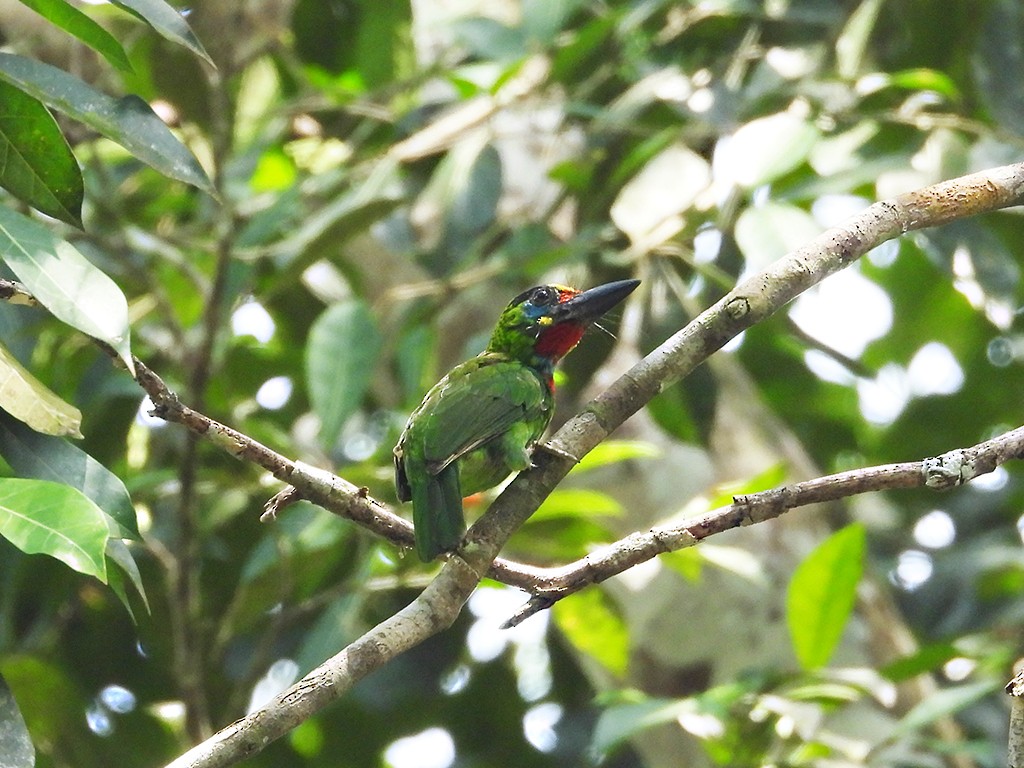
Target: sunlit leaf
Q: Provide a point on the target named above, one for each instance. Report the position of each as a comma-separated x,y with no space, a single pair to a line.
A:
36,163
655,198
15,741
593,626
41,517
43,457
29,400
128,121
614,451
764,149
343,346
65,282
766,232
576,502
73,21
821,595
167,21
853,40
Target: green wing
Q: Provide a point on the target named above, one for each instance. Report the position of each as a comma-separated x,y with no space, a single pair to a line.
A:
477,402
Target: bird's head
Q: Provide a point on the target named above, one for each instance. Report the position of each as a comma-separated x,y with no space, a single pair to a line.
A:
541,325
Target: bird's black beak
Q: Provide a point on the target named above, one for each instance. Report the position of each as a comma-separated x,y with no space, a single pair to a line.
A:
590,305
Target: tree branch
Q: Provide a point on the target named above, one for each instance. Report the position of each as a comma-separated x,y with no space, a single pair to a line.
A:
940,473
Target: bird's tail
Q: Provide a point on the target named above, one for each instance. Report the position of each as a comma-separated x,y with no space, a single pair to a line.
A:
437,513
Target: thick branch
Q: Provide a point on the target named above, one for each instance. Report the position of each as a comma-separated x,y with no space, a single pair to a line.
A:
940,473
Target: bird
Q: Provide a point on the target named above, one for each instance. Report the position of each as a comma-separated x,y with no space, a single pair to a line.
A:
479,423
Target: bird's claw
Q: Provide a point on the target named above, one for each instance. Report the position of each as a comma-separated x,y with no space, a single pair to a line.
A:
554,451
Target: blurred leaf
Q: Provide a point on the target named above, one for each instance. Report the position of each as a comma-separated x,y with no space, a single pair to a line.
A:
544,19
821,595
489,39
927,659
656,197
764,149
29,400
594,627
15,741
128,121
65,282
944,703
766,232
36,163
722,495
998,60
688,563
576,502
853,40
620,722
43,457
74,22
39,516
167,22
340,355
614,451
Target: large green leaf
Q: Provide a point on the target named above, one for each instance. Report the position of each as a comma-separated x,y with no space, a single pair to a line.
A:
65,282
36,163
822,593
27,399
74,22
129,121
43,457
167,22
38,516
15,742
343,345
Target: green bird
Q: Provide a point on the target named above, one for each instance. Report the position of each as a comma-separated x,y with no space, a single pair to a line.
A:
477,425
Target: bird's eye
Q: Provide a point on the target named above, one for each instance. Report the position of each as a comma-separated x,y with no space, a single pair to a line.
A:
542,296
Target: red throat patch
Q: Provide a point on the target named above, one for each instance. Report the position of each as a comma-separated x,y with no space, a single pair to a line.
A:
555,342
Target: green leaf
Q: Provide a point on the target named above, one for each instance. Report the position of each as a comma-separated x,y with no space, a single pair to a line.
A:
15,742
614,451
822,593
942,704
29,400
38,516
74,22
65,282
36,163
43,457
167,22
119,554
343,346
576,502
128,121
620,722
853,40
591,624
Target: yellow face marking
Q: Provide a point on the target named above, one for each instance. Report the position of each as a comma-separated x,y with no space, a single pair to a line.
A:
544,321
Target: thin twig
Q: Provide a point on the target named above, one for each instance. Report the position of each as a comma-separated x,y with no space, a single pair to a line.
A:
949,470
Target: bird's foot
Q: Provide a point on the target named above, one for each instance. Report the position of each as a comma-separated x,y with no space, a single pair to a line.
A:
555,451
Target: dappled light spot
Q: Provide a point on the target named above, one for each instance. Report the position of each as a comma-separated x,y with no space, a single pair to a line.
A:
913,568
934,371
432,748
935,530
